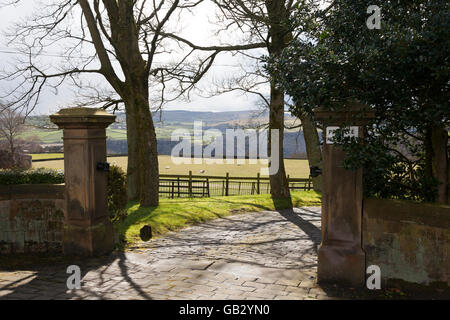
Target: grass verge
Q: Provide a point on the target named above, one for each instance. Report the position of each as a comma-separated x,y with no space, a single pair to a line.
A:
174,214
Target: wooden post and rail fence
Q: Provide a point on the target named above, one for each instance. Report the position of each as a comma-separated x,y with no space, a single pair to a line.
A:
177,186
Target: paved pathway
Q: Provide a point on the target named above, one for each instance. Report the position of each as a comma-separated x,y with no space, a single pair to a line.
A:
263,255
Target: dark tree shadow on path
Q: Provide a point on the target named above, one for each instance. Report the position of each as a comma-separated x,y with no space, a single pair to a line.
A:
306,226
47,279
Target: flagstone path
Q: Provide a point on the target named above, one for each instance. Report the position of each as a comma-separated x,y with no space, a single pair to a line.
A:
261,255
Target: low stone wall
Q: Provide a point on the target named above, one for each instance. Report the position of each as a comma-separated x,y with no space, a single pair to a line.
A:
31,218
408,241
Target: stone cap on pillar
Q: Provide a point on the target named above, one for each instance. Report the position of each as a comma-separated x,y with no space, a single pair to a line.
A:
355,113
82,118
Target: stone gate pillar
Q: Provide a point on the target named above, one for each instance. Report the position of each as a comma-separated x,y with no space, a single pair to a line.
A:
341,258
87,229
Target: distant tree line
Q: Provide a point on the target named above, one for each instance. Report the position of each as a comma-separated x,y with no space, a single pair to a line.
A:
294,146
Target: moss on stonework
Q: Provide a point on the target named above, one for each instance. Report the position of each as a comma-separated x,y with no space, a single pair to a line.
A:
82,111
82,115
59,213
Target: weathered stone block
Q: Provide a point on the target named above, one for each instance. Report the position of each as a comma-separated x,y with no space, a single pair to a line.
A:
94,240
408,241
29,218
4,208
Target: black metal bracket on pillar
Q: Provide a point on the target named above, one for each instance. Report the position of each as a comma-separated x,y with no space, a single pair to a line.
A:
315,171
103,166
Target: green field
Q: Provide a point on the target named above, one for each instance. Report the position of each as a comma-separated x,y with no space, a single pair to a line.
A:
116,134
55,136
48,136
294,168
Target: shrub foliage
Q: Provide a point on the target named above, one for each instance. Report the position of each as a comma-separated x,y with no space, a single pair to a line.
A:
401,71
117,192
32,176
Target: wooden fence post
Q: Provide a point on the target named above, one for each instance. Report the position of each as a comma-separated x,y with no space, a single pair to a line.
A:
227,183
258,190
190,184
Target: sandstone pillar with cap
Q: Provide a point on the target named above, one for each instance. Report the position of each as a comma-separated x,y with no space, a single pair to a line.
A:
341,259
87,228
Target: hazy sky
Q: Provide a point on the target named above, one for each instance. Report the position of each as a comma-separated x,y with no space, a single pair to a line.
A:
196,28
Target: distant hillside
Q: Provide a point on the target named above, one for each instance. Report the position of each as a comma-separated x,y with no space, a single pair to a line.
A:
294,146
169,117
210,118
213,117
170,120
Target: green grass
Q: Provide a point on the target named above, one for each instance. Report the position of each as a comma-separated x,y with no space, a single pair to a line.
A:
174,214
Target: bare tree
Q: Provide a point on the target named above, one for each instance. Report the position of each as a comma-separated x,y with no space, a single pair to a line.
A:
269,22
251,82
273,21
122,40
11,126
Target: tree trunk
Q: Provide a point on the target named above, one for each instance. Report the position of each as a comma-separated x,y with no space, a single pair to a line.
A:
142,148
12,150
313,150
436,159
133,183
143,164
279,187
439,164
278,29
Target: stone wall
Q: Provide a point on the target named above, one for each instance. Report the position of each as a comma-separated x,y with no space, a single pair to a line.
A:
408,241
31,218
